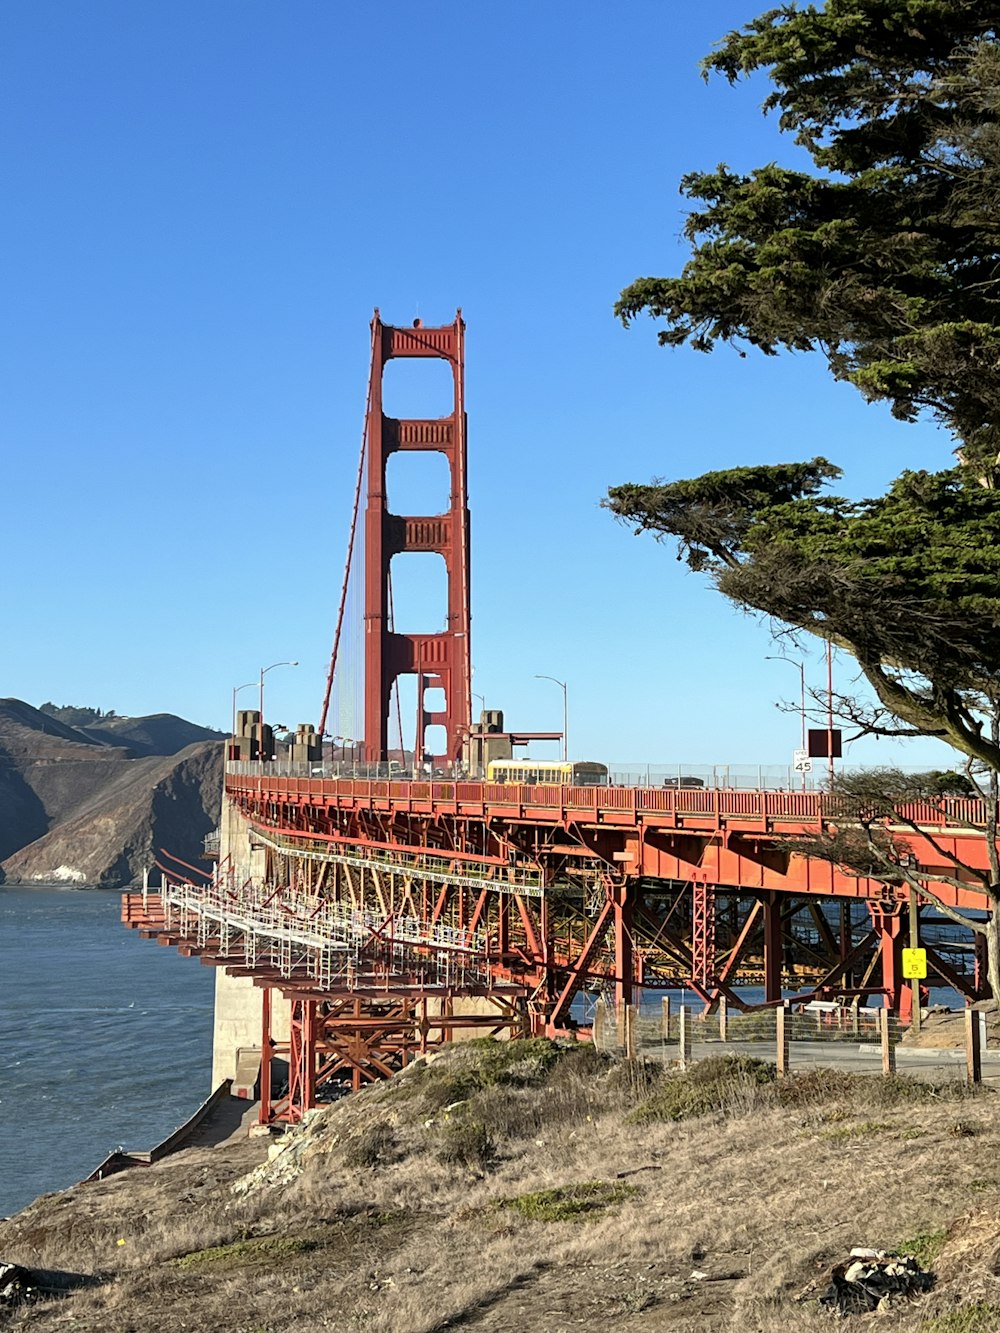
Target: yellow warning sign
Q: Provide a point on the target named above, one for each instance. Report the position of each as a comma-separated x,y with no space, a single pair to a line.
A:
914,964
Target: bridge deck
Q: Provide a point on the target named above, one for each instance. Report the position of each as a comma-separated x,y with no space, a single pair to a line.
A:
728,838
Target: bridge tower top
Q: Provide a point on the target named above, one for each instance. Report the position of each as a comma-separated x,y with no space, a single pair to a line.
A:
438,659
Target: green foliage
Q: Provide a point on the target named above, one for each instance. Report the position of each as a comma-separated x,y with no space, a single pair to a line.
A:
570,1203
980,1317
75,716
883,258
485,1063
738,1085
926,1247
244,1253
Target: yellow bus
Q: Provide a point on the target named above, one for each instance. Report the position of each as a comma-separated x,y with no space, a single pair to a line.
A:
558,772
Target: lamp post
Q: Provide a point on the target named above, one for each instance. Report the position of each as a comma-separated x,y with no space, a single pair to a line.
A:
263,673
236,690
562,686
800,667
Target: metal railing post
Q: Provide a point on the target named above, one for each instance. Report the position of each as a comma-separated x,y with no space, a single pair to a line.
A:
973,1055
781,1040
888,1049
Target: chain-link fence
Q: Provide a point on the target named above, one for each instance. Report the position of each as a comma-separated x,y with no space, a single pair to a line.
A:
849,1038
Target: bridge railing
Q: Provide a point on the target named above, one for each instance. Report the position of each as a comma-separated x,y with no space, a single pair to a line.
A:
716,803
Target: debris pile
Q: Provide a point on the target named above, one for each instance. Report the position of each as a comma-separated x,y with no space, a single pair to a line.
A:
17,1285
872,1279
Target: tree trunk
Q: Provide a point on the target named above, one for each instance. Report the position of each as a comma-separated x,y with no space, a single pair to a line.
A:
993,947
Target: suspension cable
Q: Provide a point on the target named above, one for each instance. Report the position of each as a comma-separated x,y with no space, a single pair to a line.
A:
350,550
395,683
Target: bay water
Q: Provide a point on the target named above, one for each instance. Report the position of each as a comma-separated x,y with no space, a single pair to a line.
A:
105,1038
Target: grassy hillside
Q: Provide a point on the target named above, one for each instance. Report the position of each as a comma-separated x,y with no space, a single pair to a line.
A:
526,1186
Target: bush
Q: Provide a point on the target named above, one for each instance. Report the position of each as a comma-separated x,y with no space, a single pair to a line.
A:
722,1083
485,1063
467,1143
374,1146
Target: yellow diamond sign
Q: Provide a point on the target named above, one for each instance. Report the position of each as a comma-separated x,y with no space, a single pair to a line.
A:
914,964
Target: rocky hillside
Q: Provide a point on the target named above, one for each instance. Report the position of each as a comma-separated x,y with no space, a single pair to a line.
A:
93,804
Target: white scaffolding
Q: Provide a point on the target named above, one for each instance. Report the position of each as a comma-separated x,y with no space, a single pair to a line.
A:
306,936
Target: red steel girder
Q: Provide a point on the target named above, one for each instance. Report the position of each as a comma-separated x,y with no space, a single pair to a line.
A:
703,933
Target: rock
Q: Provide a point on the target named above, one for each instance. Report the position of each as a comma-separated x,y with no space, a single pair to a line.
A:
17,1286
872,1280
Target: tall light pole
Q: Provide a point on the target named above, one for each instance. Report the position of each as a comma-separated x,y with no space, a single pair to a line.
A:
263,673
236,690
800,667
562,686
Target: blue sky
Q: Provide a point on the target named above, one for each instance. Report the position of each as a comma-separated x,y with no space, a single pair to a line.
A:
203,203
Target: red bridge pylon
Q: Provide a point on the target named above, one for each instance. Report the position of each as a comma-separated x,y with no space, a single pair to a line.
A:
438,660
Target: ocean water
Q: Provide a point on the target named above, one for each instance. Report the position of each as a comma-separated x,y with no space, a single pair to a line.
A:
105,1039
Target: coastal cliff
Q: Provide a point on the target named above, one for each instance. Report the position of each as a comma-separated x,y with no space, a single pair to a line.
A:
92,805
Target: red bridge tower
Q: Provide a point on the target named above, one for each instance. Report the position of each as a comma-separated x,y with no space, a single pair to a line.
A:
438,660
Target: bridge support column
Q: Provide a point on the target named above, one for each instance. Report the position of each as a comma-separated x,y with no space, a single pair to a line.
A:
266,1052
888,921
773,947
625,969
703,934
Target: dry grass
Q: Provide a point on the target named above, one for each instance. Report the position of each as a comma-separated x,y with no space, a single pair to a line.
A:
729,1200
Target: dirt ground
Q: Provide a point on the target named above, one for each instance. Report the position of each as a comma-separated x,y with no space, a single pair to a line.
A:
556,1193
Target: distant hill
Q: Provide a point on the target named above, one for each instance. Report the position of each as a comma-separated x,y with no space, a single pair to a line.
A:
160,733
93,803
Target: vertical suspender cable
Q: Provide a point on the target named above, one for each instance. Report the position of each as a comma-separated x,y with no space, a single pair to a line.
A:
350,551
399,711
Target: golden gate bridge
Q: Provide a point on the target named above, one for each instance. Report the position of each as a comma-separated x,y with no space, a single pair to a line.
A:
375,916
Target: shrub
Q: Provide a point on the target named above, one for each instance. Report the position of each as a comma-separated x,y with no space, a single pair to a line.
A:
243,1253
485,1063
733,1083
925,1248
570,1202
374,1146
467,1143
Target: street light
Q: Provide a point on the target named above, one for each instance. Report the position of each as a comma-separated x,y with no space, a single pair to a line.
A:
236,690
800,667
263,673
562,686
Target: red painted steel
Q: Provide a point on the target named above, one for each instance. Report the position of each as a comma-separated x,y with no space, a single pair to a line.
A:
511,898
438,659
703,933
735,838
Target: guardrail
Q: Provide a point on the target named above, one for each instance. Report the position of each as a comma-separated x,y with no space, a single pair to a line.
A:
955,812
